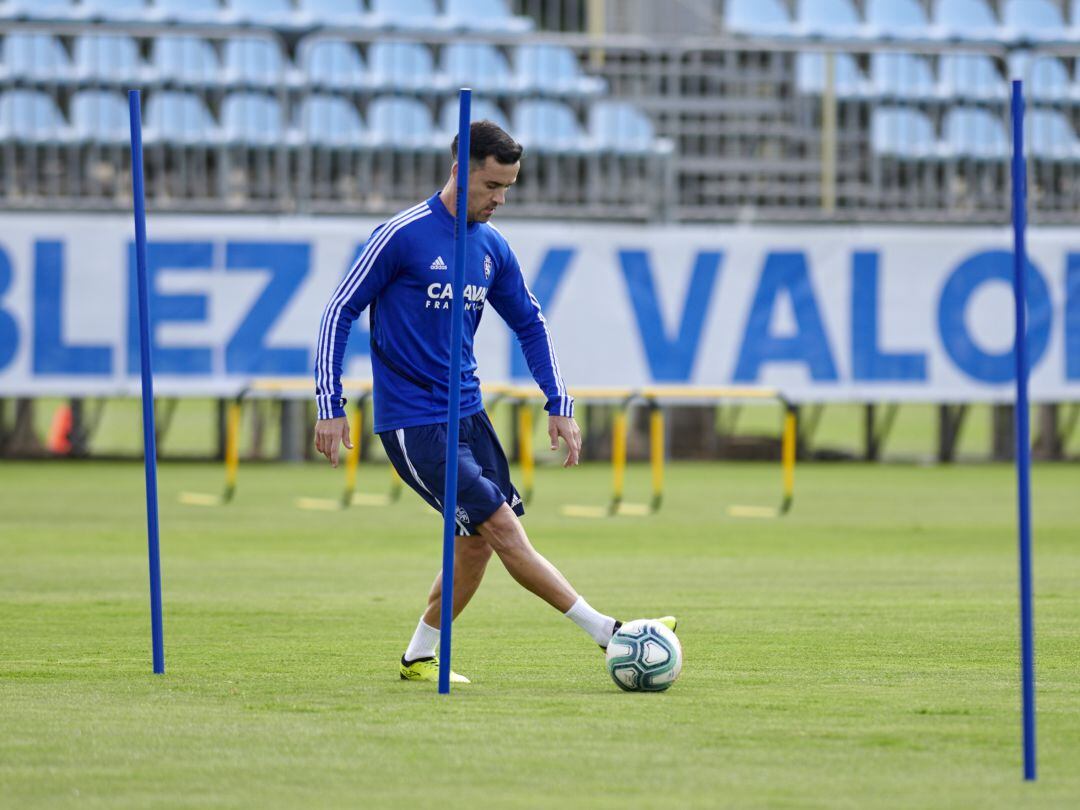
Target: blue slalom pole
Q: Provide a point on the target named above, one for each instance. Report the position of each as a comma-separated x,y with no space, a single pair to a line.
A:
457,318
149,441
1023,443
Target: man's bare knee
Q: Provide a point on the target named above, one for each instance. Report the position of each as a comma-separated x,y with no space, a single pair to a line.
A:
503,531
474,552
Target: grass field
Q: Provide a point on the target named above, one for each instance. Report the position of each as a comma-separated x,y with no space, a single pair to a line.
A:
860,653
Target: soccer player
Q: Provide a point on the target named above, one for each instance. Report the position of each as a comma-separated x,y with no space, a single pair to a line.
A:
402,278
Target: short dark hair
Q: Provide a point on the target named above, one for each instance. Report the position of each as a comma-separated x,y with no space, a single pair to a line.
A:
488,139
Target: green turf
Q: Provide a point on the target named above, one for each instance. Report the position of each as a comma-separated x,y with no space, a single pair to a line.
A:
860,653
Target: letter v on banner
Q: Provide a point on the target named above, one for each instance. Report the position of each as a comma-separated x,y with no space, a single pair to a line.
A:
670,359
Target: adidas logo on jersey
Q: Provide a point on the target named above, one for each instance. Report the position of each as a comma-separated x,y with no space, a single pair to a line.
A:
438,264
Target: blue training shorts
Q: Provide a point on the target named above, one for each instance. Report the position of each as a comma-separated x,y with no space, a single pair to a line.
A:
419,456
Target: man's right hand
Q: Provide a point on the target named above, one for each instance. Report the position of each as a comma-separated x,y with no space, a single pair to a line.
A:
330,434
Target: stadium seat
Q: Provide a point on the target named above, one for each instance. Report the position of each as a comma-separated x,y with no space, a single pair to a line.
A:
401,66
335,13
896,19
618,126
553,69
252,61
111,57
1046,78
185,59
401,122
252,119
766,18
408,14
964,19
548,126
484,15
179,118
31,116
970,76
273,13
476,65
117,10
902,76
482,109
100,116
330,121
1051,136
40,10
1032,20
975,133
189,11
34,56
810,75
333,63
827,18
902,133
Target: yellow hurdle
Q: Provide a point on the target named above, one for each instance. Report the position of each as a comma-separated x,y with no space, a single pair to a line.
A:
232,462
525,449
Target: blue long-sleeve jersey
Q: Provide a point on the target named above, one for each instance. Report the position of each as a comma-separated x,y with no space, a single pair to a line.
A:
403,275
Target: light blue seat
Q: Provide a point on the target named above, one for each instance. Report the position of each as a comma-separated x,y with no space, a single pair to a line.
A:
331,122
402,123
190,11
766,18
810,75
620,127
185,59
401,66
897,19
35,56
109,57
179,118
41,10
482,109
1045,77
408,14
100,116
476,65
1032,20
31,116
252,119
827,18
972,132
252,61
274,13
970,76
484,15
548,126
965,19
902,76
902,133
1051,136
117,10
335,13
553,69
332,63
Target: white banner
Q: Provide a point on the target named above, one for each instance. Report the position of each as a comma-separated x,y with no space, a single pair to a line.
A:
822,313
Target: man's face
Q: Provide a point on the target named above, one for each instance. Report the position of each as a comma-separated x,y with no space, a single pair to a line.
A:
488,184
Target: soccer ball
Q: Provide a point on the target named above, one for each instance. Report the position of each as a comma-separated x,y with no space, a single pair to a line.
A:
644,656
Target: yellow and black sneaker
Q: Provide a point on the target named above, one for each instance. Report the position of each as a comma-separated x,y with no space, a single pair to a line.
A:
426,669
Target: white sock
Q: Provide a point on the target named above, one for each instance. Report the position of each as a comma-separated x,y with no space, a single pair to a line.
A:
596,624
424,642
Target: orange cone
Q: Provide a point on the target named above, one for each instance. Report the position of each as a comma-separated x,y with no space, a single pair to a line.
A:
59,441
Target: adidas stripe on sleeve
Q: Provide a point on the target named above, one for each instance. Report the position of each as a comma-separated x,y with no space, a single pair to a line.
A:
516,304
374,268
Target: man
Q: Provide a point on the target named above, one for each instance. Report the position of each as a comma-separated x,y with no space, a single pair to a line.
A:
403,276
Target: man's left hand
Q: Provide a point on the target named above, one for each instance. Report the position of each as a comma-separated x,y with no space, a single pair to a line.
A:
566,427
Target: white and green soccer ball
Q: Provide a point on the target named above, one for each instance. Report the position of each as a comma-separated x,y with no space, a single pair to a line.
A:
644,656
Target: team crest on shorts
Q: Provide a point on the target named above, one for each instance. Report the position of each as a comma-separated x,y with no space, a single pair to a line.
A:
487,266
462,515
